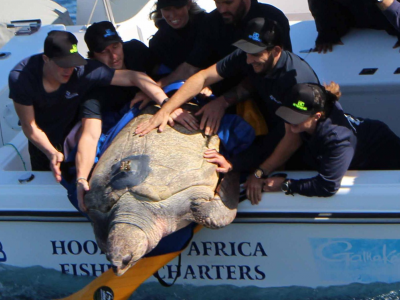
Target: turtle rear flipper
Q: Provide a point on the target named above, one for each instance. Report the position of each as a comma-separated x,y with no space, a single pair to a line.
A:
221,210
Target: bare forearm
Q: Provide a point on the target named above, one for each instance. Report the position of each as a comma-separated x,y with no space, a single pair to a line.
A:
237,94
36,136
182,72
85,156
190,89
150,88
140,80
283,151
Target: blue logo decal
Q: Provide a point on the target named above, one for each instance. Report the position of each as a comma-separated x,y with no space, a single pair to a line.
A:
70,95
357,260
255,37
353,121
3,256
109,32
274,99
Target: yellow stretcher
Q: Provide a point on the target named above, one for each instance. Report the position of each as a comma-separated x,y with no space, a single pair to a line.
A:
108,286
249,111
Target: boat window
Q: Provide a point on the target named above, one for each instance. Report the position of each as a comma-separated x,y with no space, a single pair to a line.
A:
368,71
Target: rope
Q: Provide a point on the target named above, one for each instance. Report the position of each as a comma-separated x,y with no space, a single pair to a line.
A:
109,12
19,154
91,14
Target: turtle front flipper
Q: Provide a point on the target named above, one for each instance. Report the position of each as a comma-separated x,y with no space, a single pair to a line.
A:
221,210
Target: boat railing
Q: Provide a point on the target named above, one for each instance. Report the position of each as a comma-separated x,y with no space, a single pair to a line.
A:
25,27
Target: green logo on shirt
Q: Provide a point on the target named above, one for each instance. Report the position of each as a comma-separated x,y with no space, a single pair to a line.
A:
300,105
74,48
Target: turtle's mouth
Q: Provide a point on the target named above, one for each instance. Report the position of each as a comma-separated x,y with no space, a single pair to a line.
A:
121,266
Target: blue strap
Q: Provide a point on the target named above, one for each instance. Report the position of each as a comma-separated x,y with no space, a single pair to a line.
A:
235,134
173,87
163,70
106,140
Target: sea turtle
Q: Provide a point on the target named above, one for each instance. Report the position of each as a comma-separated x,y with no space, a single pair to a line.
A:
145,188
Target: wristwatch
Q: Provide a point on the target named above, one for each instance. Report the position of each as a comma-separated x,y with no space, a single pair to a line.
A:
285,187
259,173
164,101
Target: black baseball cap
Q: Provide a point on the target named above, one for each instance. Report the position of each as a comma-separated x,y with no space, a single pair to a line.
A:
260,34
62,48
299,103
175,3
99,35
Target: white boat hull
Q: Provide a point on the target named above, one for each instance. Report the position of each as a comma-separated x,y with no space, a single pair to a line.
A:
278,251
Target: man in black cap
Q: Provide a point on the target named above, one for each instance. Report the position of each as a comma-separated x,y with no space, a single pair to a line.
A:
47,89
102,108
271,72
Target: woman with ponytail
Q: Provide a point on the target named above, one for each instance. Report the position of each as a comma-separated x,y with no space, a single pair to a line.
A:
334,142
178,23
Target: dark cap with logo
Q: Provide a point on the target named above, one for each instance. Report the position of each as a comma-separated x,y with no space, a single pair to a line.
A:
260,34
175,3
99,35
62,48
300,103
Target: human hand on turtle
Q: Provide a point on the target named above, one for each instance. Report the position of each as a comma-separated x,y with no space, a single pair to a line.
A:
254,188
184,118
213,156
273,184
140,97
160,120
82,187
56,159
212,113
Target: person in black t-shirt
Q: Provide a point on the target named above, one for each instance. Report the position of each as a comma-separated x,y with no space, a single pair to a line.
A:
335,142
103,107
47,89
220,29
179,23
334,18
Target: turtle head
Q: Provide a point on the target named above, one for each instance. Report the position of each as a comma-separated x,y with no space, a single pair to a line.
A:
126,244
